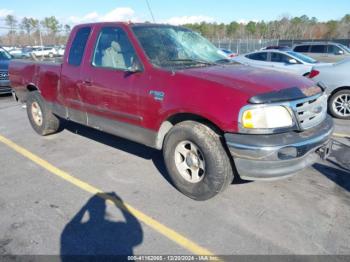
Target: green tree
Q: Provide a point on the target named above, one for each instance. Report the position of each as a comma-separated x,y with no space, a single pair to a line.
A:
67,29
232,29
51,24
332,26
251,28
346,19
11,22
313,21
34,24
26,26
262,29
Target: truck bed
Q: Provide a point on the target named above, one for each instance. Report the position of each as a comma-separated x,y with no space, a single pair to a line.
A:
25,74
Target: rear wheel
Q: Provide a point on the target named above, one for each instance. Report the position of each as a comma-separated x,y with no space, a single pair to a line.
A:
43,121
196,160
339,104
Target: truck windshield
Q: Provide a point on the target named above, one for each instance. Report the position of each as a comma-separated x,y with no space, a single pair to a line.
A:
177,48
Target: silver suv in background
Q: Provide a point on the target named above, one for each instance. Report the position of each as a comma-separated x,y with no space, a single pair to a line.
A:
323,51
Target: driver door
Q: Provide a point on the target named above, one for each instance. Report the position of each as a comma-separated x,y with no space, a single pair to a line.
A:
110,92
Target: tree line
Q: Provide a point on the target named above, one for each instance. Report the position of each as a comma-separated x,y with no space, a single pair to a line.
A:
49,31
31,31
286,28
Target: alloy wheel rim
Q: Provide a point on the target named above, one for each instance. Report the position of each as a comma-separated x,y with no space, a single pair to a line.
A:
341,105
37,114
189,161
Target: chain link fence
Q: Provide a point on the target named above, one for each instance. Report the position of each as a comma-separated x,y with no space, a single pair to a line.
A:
243,46
291,43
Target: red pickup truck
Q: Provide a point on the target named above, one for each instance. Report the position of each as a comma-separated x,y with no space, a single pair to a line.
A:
169,88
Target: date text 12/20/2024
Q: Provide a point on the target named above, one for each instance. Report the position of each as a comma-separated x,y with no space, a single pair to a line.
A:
173,258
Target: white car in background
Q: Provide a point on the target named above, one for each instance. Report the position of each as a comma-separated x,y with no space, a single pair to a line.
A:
336,78
15,52
285,61
60,51
45,52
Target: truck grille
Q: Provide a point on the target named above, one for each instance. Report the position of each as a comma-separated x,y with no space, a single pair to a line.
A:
310,111
4,75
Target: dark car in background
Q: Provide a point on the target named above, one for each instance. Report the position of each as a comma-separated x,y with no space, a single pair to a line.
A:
277,47
5,58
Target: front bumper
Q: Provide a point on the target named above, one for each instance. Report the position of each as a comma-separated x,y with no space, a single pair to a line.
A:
268,157
5,87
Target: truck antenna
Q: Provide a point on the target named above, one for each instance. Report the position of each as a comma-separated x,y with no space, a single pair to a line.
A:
150,10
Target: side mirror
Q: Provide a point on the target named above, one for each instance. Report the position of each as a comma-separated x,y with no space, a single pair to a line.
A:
136,67
340,52
292,61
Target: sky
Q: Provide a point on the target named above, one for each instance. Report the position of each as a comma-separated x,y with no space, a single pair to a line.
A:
173,11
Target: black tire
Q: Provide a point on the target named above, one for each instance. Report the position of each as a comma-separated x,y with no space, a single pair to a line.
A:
50,123
332,101
218,170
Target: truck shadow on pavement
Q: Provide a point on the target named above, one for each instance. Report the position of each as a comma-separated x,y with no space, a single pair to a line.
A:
129,147
338,166
120,144
90,234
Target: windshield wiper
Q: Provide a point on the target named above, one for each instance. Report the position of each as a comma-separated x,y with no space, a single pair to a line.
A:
194,61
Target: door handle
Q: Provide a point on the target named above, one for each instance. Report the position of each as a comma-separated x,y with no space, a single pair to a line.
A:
87,82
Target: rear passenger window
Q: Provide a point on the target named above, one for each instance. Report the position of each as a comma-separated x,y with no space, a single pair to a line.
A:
318,49
77,49
302,48
258,56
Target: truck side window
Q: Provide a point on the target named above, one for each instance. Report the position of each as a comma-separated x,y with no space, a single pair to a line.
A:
114,49
77,49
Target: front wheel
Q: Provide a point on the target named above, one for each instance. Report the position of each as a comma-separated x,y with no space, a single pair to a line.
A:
43,121
196,160
339,104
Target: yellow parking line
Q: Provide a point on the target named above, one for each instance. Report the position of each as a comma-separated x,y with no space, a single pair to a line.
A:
157,226
341,135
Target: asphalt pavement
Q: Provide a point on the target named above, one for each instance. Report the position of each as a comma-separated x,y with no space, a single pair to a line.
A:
82,191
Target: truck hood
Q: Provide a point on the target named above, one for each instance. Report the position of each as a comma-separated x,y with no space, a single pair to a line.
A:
253,81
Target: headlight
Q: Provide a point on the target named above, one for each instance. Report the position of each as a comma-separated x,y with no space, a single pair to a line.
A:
265,118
